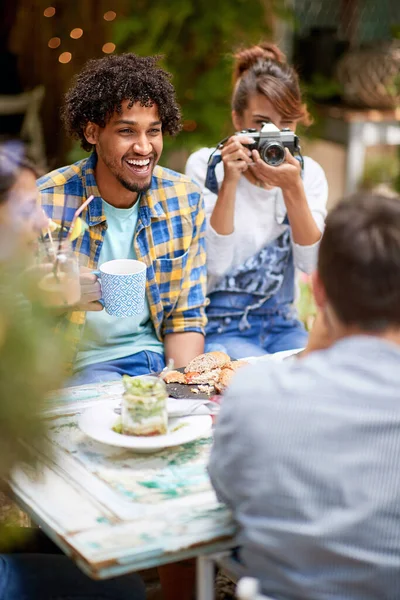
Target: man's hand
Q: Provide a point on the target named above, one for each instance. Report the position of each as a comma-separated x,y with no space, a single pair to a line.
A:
236,157
90,291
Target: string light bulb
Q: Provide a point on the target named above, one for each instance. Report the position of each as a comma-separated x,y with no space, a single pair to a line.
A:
189,125
65,57
108,48
76,33
109,15
50,11
54,42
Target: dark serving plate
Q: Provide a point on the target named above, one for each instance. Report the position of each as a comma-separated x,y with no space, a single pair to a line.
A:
183,390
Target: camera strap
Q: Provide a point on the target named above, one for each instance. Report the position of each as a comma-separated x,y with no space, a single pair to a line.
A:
211,182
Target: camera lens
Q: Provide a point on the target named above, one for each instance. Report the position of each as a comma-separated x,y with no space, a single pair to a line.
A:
273,153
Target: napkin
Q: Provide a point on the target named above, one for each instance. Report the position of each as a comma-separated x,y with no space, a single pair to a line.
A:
183,407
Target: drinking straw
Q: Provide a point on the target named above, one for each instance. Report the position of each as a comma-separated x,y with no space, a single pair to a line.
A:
64,214
47,251
51,242
77,213
45,246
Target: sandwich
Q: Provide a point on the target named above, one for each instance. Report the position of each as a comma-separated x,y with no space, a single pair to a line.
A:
203,369
207,362
227,373
214,369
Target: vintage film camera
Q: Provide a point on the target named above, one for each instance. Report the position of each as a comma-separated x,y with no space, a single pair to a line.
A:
271,143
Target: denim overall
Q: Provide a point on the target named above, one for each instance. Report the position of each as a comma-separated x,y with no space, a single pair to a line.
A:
251,310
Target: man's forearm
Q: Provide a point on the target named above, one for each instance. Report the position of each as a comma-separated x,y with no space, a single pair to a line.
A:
182,347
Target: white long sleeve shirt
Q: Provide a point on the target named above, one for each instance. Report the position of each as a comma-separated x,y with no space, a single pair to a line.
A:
259,216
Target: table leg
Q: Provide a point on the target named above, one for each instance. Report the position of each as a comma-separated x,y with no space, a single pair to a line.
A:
205,578
355,157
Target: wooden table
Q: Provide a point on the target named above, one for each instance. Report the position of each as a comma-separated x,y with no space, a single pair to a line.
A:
111,510
357,129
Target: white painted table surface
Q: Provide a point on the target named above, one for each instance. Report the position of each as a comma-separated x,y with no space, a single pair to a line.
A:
112,510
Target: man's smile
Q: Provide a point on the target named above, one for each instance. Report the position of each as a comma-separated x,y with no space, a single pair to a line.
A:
140,166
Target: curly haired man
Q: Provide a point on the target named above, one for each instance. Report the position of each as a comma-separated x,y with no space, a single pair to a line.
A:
119,108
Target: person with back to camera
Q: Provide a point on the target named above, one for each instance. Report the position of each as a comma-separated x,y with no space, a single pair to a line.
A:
263,221
305,452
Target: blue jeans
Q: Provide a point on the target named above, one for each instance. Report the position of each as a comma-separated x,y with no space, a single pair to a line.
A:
141,363
267,334
55,577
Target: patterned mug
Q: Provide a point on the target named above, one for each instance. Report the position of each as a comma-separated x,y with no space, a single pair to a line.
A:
123,286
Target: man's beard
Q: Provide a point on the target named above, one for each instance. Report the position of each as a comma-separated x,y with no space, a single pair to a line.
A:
134,187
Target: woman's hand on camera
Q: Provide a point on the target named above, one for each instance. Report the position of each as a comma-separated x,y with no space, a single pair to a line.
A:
236,157
286,176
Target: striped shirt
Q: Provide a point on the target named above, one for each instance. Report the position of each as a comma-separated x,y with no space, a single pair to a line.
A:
307,455
169,238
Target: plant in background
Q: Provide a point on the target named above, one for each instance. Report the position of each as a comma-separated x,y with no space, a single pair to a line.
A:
197,38
382,170
305,303
396,182
322,88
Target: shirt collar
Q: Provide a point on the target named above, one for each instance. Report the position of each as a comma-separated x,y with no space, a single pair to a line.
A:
152,200
95,208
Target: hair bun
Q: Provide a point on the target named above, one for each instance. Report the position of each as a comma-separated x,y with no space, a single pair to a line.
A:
246,58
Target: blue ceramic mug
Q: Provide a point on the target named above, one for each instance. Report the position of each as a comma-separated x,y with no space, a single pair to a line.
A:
123,286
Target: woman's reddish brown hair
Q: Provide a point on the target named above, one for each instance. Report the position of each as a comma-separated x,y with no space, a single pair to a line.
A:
263,69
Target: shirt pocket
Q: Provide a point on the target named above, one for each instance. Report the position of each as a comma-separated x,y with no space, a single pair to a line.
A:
169,275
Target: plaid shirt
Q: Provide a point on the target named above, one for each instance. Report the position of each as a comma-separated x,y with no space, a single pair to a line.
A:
169,238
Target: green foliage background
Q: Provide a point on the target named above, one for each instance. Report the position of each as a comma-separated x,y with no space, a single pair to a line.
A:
31,364
197,38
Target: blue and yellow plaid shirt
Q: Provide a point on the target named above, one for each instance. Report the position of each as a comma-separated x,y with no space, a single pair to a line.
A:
169,238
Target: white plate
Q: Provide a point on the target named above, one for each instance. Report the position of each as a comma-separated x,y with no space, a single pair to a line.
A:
98,422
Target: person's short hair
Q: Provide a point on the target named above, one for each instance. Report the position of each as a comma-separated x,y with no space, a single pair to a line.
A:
13,159
103,84
359,261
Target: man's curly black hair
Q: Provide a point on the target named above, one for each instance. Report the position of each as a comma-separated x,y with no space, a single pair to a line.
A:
103,84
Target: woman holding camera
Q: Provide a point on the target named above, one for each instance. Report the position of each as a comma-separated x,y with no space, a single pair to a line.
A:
263,221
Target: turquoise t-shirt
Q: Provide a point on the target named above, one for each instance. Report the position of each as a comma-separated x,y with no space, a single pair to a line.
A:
105,337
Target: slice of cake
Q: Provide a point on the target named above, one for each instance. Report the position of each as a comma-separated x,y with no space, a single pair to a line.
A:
144,406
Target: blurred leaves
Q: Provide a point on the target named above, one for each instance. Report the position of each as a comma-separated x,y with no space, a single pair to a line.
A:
382,170
197,38
305,303
322,88
31,364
